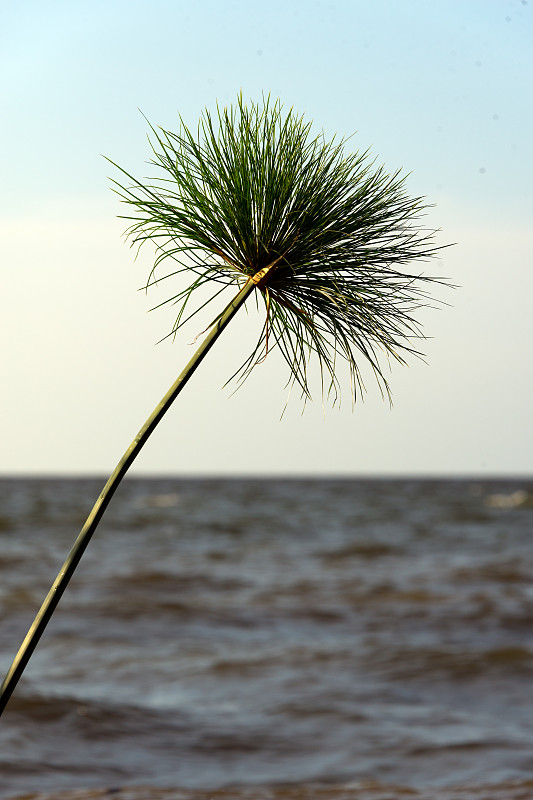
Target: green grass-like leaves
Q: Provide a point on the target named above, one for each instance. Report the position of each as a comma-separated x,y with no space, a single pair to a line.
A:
253,186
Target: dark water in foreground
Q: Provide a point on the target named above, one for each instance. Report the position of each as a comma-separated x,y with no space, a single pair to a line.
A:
324,639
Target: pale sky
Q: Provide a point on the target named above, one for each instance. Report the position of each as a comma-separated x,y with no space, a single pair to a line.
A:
440,88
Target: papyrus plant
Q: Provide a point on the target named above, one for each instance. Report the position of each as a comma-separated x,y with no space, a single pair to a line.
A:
327,240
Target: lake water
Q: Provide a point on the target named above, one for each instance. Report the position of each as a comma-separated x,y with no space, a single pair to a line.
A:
281,639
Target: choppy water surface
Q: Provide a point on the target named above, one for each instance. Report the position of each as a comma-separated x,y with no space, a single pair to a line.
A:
323,639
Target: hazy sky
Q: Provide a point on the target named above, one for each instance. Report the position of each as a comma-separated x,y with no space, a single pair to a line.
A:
441,88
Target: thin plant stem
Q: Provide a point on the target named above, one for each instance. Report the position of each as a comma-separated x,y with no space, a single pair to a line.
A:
67,570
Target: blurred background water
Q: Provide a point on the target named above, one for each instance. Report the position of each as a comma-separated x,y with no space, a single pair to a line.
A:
272,633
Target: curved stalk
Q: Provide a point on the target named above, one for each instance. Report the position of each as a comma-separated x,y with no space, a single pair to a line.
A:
67,570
